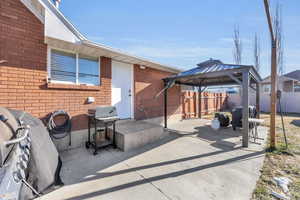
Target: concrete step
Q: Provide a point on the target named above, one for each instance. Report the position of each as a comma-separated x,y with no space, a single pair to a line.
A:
130,134
133,134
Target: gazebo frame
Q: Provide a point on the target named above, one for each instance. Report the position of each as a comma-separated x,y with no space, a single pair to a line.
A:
215,73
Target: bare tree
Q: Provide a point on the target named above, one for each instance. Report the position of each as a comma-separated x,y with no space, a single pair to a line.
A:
237,48
256,51
278,29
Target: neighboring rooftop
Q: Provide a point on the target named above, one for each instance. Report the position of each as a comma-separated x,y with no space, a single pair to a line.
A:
294,75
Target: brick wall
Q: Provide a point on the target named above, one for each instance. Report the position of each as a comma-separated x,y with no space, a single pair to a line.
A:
23,82
21,36
23,78
148,83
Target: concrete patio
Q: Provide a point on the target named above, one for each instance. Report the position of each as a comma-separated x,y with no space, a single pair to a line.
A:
193,162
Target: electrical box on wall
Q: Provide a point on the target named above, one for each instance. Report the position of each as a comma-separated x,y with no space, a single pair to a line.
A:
90,100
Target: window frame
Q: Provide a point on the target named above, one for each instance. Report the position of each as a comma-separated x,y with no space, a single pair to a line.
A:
78,68
49,78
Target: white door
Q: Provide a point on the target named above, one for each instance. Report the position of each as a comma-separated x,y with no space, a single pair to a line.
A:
122,88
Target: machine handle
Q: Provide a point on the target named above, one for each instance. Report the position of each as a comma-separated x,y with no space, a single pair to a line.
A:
129,92
18,140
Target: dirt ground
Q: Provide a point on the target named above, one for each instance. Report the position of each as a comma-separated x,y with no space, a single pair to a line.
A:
281,162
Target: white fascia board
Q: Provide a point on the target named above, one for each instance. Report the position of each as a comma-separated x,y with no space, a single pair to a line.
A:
30,7
64,35
134,59
56,29
52,9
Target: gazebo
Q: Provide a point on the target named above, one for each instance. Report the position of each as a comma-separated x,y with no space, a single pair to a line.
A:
216,73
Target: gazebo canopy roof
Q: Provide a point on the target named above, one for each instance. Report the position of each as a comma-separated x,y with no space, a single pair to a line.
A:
214,72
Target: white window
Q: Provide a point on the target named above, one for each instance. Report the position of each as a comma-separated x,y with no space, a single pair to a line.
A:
74,68
63,66
88,70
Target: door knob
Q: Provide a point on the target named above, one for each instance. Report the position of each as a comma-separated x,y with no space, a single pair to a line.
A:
129,92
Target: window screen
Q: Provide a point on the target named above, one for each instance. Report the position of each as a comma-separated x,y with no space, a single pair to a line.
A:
63,66
88,70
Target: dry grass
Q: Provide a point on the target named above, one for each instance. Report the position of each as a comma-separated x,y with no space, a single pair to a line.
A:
282,161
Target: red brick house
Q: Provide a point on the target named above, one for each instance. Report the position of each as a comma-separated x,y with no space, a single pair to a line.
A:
49,65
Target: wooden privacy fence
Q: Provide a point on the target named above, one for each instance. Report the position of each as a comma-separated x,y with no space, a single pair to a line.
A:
210,102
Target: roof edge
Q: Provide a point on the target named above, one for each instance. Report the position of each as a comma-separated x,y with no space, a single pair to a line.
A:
49,5
98,45
84,40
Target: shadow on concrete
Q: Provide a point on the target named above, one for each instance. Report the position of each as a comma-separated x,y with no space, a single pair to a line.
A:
168,175
111,157
107,158
223,138
103,175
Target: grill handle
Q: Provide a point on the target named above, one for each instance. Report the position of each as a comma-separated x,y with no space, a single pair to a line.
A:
18,140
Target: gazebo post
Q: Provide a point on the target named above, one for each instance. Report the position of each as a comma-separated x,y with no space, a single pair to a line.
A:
166,106
245,104
258,99
200,102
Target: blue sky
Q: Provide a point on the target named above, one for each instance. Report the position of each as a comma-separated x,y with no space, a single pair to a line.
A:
183,33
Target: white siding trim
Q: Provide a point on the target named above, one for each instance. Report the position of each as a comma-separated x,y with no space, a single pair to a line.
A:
99,68
132,91
51,8
77,69
49,62
30,7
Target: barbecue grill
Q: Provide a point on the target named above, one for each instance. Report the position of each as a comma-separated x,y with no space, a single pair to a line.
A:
101,118
15,152
237,116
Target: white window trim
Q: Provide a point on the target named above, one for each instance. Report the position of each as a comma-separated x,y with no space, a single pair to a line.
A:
29,5
77,68
99,68
132,91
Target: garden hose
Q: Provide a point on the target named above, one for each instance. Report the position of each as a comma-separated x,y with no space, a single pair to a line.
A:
59,131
